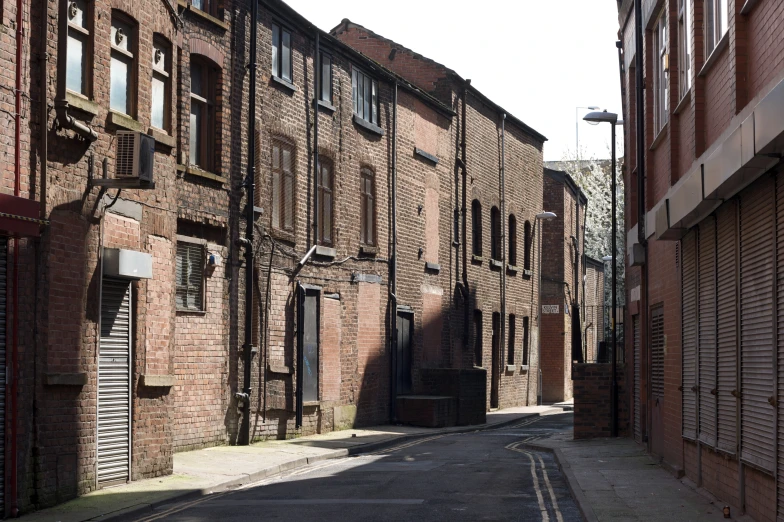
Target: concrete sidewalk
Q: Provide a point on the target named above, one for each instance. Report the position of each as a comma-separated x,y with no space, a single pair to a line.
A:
220,468
615,480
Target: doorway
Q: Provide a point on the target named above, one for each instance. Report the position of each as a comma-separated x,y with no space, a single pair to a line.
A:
405,331
496,361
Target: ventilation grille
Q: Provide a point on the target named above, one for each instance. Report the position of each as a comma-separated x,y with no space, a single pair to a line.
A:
126,145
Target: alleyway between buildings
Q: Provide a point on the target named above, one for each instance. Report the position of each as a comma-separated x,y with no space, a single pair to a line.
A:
521,465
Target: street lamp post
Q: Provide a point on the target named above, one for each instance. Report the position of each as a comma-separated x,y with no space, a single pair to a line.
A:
577,129
612,119
542,216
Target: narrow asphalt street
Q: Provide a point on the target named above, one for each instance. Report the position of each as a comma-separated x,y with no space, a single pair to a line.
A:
482,475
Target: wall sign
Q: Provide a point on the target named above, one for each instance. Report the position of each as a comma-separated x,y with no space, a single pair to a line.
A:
551,309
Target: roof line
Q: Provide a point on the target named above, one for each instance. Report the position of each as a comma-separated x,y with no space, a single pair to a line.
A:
568,180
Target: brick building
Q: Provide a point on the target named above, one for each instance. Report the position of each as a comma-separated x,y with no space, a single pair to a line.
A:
129,306
704,276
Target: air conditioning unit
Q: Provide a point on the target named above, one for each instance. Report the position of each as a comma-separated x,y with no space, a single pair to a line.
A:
135,159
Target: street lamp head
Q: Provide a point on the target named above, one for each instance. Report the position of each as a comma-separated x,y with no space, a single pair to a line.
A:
602,116
546,216
607,259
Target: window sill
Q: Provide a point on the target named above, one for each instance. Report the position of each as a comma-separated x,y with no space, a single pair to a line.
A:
524,368
494,263
183,311
289,237
162,137
158,381
323,251
287,85
659,137
65,379
527,273
203,15
311,404
327,106
478,260
77,101
748,6
715,54
370,127
193,170
368,250
510,368
282,369
512,269
432,267
683,103
124,121
426,156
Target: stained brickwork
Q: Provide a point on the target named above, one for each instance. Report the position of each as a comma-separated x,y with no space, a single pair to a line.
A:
592,391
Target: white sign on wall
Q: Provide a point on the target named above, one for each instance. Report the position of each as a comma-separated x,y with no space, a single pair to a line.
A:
551,309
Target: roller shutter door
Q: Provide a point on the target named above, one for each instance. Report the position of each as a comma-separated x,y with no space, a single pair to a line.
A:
637,383
706,284
727,319
780,337
114,384
689,325
757,228
3,323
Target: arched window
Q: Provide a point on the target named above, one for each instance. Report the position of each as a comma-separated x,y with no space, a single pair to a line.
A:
528,241
512,240
476,227
495,234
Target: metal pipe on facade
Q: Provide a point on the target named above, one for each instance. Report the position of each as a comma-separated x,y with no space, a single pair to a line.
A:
463,159
393,266
503,254
316,170
614,371
250,186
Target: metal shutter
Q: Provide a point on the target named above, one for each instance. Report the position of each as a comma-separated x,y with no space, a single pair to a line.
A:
706,283
756,323
689,325
3,315
637,383
726,312
780,339
657,353
114,384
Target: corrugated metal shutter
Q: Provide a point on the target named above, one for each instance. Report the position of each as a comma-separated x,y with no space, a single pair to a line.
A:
706,283
114,384
780,338
689,325
726,312
637,383
657,353
756,321
3,323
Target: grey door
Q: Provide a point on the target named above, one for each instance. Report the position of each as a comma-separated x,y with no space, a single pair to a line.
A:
3,323
405,325
114,384
310,346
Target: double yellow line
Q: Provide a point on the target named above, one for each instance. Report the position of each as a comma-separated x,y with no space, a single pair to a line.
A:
515,446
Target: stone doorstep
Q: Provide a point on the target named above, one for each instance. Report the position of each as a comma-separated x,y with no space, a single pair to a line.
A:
141,507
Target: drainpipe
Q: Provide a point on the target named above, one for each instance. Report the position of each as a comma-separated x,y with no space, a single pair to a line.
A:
247,241
316,171
503,256
64,120
393,267
466,312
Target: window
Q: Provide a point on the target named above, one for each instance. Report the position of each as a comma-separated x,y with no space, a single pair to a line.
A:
495,233
123,65
684,46
527,240
367,208
510,353
283,186
281,52
326,78
716,23
661,70
476,227
512,240
477,338
207,6
189,273
325,202
203,126
160,113
79,48
525,340
365,96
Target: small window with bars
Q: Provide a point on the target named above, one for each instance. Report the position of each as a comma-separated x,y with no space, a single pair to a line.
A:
189,273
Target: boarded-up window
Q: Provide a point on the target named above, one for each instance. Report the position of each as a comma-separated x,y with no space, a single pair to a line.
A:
367,207
726,313
476,227
689,335
190,276
756,315
525,340
706,380
283,186
495,233
528,240
512,240
510,355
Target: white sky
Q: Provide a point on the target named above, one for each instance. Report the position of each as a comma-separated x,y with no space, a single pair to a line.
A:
537,59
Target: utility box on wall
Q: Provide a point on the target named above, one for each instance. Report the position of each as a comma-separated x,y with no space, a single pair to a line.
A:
127,264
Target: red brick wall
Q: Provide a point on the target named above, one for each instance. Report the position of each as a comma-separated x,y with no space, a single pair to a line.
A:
331,329
592,392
